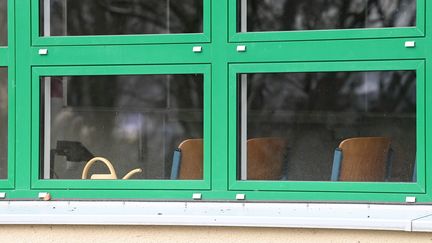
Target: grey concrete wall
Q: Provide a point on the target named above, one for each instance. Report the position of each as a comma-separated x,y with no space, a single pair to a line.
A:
199,234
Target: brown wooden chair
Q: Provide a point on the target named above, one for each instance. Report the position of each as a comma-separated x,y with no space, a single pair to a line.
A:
362,159
188,160
265,158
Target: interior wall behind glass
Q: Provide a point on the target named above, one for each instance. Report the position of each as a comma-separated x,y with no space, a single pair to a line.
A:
3,123
3,23
134,121
114,17
313,113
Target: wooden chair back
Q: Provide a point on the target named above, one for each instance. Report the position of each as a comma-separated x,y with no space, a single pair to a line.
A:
265,158
191,161
364,159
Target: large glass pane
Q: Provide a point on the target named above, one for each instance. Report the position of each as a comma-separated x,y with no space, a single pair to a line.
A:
118,17
319,126
3,123
286,15
133,121
3,23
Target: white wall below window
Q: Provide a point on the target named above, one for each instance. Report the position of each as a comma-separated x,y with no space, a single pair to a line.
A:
289,215
148,234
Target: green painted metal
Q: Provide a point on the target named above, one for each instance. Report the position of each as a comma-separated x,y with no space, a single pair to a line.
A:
4,60
127,54
219,97
340,50
7,60
215,195
23,94
121,40
355,49
11,94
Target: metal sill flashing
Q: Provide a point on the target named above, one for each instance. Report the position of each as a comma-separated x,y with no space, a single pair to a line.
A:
291,215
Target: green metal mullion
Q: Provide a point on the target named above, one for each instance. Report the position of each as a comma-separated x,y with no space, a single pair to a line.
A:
327,66
186,195
341,50
121,55
329,186
6,183
232,19
7,59
421,16
233,127
421,124
207,19
426,173
119,39
428,97
11,93
119,70
219,130
121,184
4,56
207,125
329,34
23,97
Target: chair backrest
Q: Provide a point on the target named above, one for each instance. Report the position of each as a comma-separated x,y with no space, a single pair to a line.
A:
265,158
362,159
188,160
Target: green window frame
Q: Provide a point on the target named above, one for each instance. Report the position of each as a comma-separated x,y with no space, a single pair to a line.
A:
115,39
418,187
7,60
119,184
220,62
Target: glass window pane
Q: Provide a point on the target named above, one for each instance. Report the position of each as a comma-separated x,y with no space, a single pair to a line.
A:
133,121
286,15
320,126
3,23
115,17
3,123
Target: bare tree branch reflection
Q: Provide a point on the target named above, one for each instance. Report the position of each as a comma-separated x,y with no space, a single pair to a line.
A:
119,17
278,15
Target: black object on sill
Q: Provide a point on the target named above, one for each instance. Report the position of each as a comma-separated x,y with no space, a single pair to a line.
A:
73,150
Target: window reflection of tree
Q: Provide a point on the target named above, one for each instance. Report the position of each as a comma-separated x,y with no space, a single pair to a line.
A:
277,15
3,23
114,17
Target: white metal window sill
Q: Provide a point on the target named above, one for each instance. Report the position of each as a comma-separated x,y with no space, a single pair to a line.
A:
294,215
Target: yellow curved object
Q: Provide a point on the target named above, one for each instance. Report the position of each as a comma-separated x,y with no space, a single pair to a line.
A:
111,176
131,173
